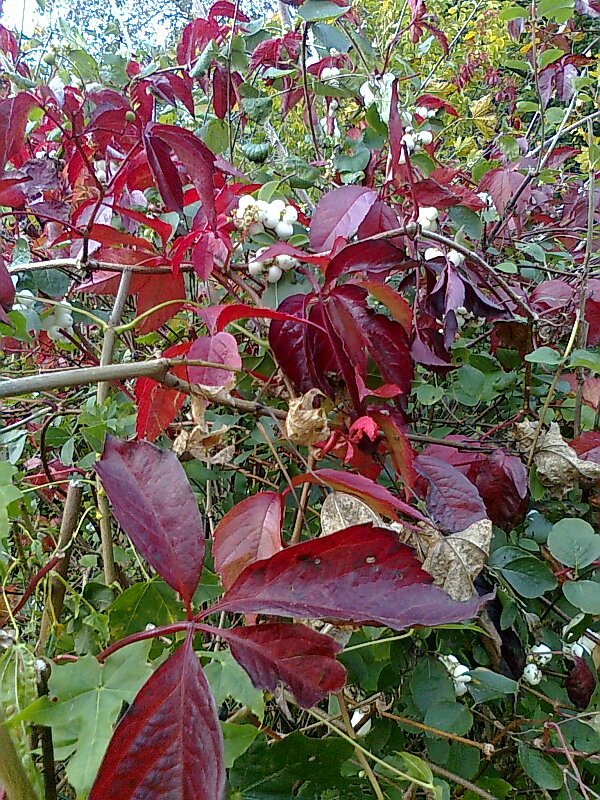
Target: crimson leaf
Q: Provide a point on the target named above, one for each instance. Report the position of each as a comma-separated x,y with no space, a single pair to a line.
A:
250,531
290,654
153,503
169,745
376,496
360,574
339,213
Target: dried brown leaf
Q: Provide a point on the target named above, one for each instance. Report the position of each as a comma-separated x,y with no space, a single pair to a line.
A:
558,467
341,510
305,424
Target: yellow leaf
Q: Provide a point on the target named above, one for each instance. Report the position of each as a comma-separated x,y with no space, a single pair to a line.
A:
481,107
487,125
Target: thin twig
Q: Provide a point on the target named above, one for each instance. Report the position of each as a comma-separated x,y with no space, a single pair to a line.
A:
360,756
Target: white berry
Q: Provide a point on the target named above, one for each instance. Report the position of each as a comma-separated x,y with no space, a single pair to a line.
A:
290,215
455,257
431,253
284,230
286,262
425,137
274,274
255,268
532,674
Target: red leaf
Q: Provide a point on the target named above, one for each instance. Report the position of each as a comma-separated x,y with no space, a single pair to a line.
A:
504,488
7,289
13,119
592,312
219,349
431,193
587,446
157,405
219,83
164,172
249,532
153,503
290,654
197,159
580,683
502,184
240,311
339,213
376,496
157,289
452,500
223,8
370,257
400,310
360,574
169,743
431,101
401,452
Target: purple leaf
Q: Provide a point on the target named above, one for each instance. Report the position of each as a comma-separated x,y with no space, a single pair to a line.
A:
580,683
589,8
290,654
339,213
169,745
164,172
377,256
153,503
360,574
452,500
218,349
504,488
556,81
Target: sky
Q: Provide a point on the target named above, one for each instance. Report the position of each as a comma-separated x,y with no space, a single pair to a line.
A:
21,12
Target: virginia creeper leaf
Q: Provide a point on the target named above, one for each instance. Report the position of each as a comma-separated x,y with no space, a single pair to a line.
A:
291,654
249,532
169,744
339,213
358,574
376,496
452,500
153,503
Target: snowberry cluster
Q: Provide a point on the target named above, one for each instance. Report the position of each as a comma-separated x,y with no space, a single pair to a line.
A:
453,256
60,318
330,75
254,216
427,218
539,656
458,672
424,112
273,267
584,646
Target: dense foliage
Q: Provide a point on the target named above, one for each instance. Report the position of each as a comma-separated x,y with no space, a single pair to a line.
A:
301,406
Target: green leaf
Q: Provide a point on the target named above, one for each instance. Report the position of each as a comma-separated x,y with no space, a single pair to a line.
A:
574,543
430,684
586,358
543,770
487,685
83,705
544,355
549,56
237,739
528,576
584,595
150,602
257,109
559,10
228,679
466,219
449,716
512,12
276,772
320,10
